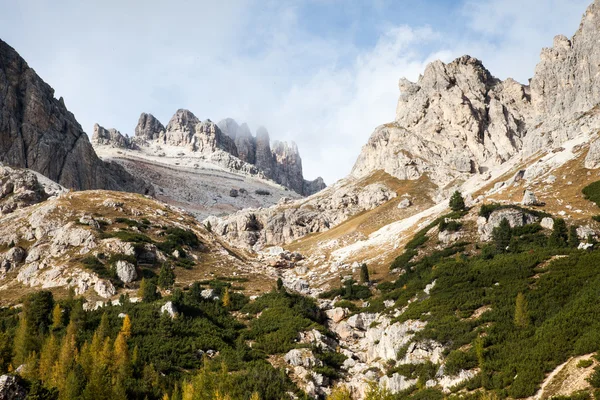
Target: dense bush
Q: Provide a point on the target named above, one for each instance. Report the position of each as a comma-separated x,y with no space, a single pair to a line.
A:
592,192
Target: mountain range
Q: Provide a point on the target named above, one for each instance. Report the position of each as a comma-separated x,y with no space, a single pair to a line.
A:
458,258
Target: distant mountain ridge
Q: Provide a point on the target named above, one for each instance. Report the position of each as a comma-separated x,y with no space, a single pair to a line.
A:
205,139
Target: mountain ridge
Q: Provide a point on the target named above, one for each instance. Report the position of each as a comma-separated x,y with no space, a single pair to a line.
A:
281,162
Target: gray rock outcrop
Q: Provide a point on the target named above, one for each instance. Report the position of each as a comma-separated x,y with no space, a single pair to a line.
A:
38,132
170,309
11,389
126,271
225,143
514,216
289,221
530,199
111,137
458,120
149,128
19,188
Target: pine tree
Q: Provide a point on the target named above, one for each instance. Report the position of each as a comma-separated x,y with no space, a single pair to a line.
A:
502,235
6,351
573,237
279,284
126,328
226,298
188,391
364,273
559,235
122,365
166,276
31,370
148,291
103,329
22,341
176,395
457,203
521,314
57,317
66,357
48,357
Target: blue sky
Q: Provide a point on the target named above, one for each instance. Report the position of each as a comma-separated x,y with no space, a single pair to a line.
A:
323,73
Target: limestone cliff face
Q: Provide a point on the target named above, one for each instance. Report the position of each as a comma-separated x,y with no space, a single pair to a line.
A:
281,162
110,137
38,132
149,128
458,120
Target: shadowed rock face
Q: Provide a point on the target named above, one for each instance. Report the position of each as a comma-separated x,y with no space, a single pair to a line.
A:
148,127
38,132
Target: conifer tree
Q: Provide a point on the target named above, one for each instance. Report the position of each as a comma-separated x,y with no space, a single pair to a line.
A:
166,276
188,391
6,352
457,203
226,298
148,291
176,395
31,370
126,327
502,235
364,274
22,341
559,235
521,314
122,363
279,284
57,317
72,385
48,357
103,329
66,356
573,237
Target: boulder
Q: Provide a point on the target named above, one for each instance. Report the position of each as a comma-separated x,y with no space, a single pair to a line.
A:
11,388
530,199
514,216
302,358
547,223
169,308
404,203
104,289
126,271
336,314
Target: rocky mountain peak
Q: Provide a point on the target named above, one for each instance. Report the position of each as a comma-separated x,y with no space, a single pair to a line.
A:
458,119
110,137
229,127
566,78
183,121
38,132
149,127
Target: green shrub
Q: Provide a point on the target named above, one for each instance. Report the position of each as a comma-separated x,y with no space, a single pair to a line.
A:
584,363
592,192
